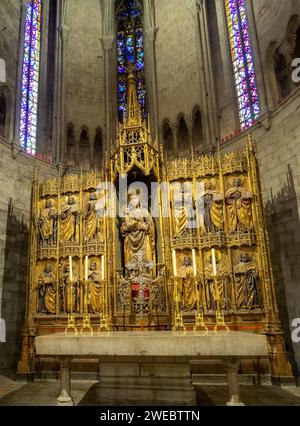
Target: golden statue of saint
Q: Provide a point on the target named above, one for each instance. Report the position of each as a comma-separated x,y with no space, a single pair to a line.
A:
95,290
247,284
238,202
183,208
138,231
69,222
93,222
69,291
47,291
47,223
212,207
187,285
217,288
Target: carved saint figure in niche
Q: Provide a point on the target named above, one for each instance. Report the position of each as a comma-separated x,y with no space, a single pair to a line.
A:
187,285
47,223
183,208
69,291
69,228
217,287
212,207
95,289
238,202
46,287
138,231
93,221
247,285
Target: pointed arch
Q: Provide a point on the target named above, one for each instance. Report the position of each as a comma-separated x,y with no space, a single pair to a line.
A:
168,138
98,154
197,129
71,148
182,135
84,148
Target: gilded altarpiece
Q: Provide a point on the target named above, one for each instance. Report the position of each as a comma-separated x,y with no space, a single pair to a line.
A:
196,260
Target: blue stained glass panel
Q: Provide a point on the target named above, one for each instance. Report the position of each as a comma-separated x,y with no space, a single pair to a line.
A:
130,49
30,76
242,61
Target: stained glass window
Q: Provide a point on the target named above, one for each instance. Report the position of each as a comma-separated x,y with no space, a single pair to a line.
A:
30,76
130,49
242,60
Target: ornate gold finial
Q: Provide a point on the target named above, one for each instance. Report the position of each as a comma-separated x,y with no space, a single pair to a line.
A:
133,107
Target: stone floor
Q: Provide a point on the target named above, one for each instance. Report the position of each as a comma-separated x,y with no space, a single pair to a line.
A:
45,393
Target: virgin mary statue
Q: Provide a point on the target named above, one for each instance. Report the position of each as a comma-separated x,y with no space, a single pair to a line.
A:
138,231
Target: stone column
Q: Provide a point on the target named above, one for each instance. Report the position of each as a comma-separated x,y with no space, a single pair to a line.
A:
107,43
232,367
59,125
64,33
108,40
65,398
150,62
198,9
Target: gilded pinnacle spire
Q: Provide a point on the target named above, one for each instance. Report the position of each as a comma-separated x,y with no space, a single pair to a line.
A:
133,107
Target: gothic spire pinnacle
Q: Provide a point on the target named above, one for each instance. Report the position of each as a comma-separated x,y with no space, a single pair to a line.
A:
133,107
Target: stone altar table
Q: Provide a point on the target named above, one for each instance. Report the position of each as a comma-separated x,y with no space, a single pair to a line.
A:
230,348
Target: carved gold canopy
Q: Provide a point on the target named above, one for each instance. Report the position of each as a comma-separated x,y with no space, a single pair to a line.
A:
135,147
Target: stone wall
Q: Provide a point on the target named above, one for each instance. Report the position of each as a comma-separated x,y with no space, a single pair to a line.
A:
177,64
85,104
15,199
278,150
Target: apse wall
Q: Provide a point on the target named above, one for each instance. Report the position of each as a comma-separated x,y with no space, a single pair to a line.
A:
15,200
277,141
176,56
85,83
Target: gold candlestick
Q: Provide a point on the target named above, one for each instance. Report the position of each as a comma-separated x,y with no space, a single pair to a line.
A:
220,317
178,317
86,325
71,327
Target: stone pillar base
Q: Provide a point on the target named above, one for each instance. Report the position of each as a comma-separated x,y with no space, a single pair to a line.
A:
65,401
235,402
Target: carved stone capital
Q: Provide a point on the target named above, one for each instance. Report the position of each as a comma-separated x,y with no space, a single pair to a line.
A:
107,42
64,32
151,34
